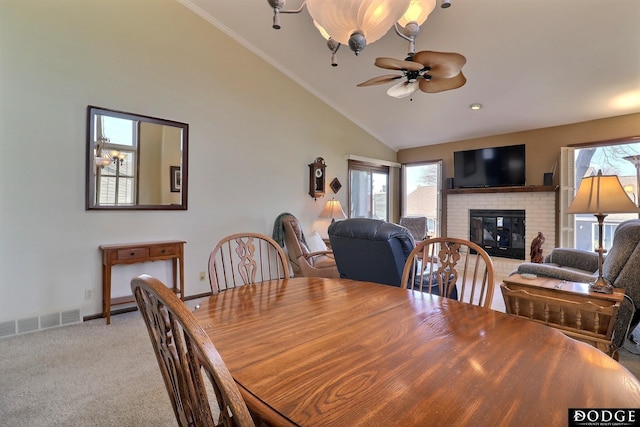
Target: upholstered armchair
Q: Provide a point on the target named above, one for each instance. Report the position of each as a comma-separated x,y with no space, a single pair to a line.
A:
370,249
621,268
417,226
303,261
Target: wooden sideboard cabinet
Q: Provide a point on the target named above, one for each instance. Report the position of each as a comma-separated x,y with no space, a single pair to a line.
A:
567,306
133,253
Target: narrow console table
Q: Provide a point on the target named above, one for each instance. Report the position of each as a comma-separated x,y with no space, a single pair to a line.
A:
568,306
133,253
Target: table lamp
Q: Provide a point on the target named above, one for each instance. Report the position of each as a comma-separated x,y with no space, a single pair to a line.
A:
333,210
601,195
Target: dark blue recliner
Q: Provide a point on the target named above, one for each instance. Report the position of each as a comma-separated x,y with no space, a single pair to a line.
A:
370,250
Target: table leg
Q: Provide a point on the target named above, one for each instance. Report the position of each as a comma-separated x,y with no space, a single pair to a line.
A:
174,265
181,266
182,279
106,292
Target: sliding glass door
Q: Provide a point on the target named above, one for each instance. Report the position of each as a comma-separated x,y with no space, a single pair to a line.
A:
368,191
421,193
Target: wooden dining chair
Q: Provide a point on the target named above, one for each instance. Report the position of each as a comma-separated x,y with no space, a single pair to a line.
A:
184,350
451,267
244,258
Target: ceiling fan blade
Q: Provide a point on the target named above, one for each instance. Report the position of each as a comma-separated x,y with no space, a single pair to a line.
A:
436,85
403,89
380,80
443,64
397,64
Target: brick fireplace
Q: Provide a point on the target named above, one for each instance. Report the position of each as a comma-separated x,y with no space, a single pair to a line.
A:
538,203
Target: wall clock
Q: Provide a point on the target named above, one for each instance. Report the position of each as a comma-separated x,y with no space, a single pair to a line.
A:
317,178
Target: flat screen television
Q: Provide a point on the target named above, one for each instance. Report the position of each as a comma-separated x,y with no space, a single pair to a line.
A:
489,167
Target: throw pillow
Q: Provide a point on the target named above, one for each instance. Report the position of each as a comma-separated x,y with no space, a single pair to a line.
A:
315,242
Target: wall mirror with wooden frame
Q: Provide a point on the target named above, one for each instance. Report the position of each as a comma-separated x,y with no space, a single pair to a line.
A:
135,162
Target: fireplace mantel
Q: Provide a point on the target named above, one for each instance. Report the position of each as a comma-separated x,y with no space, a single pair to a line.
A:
522,189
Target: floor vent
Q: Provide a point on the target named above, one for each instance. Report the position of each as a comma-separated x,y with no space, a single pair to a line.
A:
36,323
7,328
70,316
49,320
29,324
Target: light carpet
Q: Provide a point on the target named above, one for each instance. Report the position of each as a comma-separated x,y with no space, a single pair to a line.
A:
88,374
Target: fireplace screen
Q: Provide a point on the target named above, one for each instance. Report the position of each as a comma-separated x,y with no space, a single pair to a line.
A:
499,232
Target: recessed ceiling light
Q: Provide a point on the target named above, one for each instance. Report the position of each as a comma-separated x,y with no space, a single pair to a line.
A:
475,106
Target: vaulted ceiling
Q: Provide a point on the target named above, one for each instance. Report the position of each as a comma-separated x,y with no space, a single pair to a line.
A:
530,63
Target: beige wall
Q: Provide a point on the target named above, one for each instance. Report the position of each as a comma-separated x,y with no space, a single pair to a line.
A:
542,145
251,140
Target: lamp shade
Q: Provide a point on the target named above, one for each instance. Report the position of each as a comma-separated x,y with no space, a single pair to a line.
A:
333,210
601,194
417,12
342,18
102,161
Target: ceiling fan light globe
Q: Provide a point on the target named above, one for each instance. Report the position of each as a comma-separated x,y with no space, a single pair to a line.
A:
322,31
403,89
418,12
372,18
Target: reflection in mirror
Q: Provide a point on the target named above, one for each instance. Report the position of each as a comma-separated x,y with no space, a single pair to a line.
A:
135,162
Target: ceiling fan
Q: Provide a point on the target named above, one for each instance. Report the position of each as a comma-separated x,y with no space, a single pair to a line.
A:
429,71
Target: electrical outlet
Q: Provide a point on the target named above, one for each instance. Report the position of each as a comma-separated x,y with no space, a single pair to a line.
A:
202,275
88,294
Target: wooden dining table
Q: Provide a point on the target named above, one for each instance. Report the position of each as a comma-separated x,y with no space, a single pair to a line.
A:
338,352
